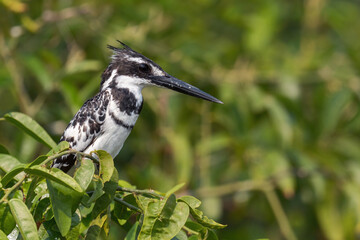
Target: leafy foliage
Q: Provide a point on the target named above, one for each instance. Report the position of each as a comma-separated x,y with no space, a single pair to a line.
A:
280,159
50,204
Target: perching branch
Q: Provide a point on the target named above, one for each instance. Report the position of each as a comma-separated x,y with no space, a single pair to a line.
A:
136,191
128,205
71,151
10,190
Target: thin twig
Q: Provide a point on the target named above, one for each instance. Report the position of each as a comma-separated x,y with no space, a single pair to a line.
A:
128,205
190,231
229,188
244,185
71,151
137,191
8,191
279,213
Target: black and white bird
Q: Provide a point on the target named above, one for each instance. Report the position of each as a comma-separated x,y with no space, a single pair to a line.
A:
106,120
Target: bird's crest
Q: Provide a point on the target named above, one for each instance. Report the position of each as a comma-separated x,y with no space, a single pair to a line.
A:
124,52
115,49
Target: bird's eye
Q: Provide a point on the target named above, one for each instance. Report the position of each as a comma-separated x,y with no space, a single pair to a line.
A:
145,68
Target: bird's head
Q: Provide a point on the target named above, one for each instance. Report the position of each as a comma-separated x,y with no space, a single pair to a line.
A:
129,67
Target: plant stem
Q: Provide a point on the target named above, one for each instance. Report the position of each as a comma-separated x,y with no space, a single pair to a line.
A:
71,151
8,191
229,188
132,207
279,213
188,230
136,191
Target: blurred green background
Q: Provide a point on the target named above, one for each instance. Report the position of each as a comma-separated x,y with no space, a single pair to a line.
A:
279,160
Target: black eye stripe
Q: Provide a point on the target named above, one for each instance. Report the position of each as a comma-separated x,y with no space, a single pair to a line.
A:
145,68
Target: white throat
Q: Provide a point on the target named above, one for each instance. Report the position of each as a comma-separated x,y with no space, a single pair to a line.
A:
134,84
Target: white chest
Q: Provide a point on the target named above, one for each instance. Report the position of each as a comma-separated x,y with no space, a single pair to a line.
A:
122,113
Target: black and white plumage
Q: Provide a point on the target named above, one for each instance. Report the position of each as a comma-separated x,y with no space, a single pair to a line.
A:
106,120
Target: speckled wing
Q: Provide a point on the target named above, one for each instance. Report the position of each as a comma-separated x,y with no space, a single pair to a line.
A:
84,128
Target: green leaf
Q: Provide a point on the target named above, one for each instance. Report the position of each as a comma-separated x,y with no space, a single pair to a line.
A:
333,109
85,209
74,233
7,222
132,234
41,209
168,208
143,201
62,146
174,189
191,201
3,149
167,228
38,160
12,174
64,201
203,232
43,234
194,226
194,203
106,199
94,231
194,237
98,192
23,219
151,213
199,216
163,219
121,212
85,222
125,184
106,165
31,127
32,193
211,235
84,174
55,175
180,236
51,229
7,163
3,235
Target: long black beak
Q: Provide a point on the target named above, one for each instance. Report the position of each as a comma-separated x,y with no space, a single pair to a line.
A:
182,87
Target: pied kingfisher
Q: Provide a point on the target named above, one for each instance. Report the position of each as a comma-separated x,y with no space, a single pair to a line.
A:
106,120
